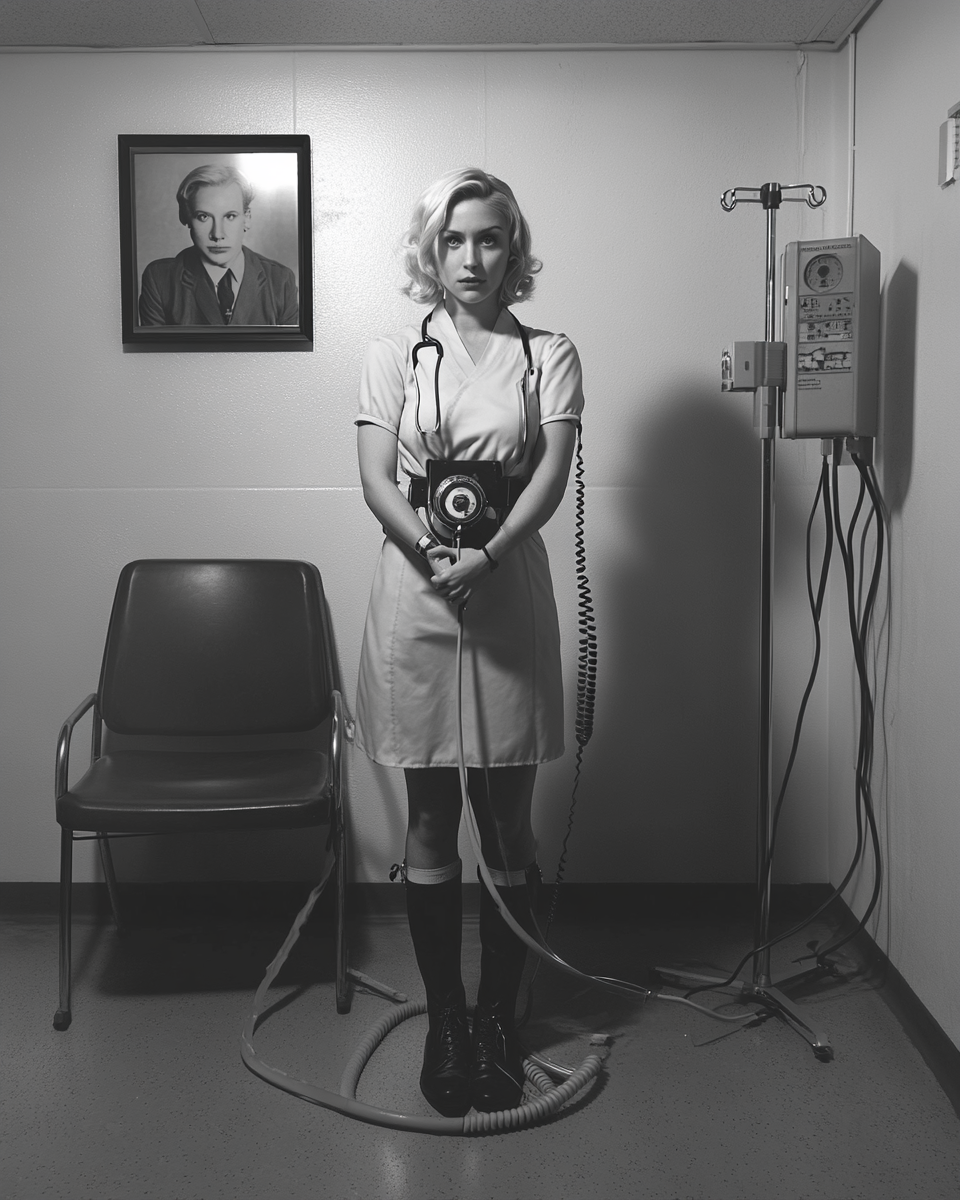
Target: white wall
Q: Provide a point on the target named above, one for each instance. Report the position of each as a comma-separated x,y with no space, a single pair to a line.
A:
906,79
619,160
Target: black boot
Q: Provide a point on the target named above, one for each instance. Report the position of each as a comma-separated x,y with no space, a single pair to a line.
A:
434,911
496,1078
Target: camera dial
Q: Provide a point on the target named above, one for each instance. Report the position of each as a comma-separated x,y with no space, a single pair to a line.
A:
459,500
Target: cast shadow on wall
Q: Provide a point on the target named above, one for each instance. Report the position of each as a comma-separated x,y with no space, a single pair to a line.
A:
669,783
897,418
898,374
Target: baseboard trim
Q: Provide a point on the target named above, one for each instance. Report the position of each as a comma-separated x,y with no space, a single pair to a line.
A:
234,898
934,1044
578,901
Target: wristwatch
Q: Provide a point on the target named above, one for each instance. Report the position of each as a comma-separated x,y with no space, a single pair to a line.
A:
427,542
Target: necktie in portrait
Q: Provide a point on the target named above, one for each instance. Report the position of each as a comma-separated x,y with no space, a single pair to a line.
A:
225,296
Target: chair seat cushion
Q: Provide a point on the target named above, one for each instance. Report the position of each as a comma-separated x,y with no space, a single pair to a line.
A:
160,791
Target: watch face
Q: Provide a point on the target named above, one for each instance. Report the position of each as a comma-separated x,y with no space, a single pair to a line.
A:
823,273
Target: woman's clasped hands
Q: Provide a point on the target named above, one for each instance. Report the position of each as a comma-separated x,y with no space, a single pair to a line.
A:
454,577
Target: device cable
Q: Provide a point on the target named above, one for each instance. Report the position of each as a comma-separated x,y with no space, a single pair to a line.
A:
535,941
538,1069
538,1108
816,607
859,624
586,673
552,1096
816,610
586,697
861,614
863,800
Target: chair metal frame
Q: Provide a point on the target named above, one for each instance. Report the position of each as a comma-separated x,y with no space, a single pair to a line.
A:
338,839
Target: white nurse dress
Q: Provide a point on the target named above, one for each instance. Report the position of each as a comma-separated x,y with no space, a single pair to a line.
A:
512,689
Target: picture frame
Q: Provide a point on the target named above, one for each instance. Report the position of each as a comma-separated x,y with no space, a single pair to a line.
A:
216,245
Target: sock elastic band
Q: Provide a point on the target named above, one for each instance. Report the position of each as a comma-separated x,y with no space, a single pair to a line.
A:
510,878
430,875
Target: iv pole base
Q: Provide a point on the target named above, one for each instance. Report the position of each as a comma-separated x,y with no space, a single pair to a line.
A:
767,995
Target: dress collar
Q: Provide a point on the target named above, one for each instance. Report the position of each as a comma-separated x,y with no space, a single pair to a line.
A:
443,328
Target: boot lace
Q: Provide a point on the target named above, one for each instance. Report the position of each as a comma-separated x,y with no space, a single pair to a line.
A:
451,1038
494,1048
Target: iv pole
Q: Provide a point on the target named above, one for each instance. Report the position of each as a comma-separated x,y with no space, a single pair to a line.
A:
766,416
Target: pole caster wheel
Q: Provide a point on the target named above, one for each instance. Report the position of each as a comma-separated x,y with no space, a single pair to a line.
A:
823,1053
61,1019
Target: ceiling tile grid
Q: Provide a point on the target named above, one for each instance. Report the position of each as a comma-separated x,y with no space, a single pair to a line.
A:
175,23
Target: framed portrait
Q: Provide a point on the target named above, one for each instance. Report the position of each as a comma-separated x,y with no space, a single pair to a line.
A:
216,241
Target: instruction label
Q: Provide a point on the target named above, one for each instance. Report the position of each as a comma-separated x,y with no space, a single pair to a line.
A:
824,359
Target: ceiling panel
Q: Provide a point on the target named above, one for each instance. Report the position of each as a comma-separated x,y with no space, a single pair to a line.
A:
144,23
529,21
101,23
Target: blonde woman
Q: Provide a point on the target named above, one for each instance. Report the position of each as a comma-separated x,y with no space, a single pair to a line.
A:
468,384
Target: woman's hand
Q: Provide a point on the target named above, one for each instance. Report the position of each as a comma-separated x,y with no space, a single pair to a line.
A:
454,579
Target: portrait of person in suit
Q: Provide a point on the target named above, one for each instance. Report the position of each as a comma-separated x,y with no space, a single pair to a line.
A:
217,280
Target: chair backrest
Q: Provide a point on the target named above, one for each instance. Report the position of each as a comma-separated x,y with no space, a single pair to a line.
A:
217,646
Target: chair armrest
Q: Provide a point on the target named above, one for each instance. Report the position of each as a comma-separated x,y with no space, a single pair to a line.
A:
63,742
336,746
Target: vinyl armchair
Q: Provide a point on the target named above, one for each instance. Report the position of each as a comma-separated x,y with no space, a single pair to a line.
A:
218,694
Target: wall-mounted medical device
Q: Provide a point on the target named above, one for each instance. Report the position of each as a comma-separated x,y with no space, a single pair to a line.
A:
831,326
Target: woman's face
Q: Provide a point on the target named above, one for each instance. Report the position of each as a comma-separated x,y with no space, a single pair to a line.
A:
473,252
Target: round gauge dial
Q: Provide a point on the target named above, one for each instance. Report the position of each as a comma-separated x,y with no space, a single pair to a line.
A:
823,273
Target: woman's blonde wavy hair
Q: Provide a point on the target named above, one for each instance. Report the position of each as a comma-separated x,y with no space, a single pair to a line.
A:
430,216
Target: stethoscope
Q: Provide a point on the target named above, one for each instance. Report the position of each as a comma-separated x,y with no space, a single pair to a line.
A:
430,343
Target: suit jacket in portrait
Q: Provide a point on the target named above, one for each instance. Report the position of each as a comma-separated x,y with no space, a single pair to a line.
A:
178,291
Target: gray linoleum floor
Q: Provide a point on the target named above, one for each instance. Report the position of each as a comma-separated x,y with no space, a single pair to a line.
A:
146,1097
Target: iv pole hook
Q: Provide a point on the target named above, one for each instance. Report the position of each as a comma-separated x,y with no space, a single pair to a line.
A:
814,198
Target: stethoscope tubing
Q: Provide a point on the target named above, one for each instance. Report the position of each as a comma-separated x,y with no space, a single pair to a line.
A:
427,341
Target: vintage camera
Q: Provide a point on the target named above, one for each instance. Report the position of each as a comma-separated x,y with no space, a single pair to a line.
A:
469,495
464,494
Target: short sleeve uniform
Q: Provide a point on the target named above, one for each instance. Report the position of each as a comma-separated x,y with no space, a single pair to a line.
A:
512,689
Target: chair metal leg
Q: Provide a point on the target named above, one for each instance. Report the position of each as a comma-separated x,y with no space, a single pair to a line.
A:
106,858
340,853
62,1016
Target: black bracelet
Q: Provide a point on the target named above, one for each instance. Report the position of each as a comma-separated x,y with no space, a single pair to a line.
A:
490,559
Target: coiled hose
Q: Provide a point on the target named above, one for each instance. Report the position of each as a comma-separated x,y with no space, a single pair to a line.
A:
586,691
586,617
537,1108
